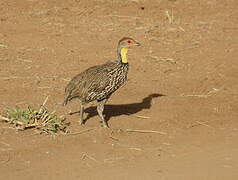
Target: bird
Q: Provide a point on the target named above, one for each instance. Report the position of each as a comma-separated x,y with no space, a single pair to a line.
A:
98,83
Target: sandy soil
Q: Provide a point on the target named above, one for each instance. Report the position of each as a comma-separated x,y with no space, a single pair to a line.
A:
188,54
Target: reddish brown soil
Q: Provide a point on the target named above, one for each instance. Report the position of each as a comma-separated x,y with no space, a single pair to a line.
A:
188,53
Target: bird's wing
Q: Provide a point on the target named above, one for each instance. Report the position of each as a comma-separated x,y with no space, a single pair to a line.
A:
74,88
98,81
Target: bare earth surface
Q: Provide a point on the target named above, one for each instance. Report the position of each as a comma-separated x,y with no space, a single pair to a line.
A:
188,54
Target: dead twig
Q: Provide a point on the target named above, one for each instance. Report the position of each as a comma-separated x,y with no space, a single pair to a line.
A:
64,79
112,137
170,17
202,123
44,87
45,101
84,155
188,48
3,45
182,29
143,117
6,144
15,77
195,95
210,93
145,131
3,118
127,146
81,132
198,123
120,16
24,60
112,160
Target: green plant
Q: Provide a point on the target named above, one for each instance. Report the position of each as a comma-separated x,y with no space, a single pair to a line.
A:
42,119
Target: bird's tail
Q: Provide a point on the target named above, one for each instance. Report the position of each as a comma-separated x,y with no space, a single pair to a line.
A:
66,100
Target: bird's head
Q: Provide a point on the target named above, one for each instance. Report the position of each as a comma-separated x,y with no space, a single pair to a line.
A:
123,45
127,42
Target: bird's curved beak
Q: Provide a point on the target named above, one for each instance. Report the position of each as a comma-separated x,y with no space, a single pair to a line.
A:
137,43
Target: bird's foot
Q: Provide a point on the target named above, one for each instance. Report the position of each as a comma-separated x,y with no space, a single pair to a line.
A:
104,124
81,122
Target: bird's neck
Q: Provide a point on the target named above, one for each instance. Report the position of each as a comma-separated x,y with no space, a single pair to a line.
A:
122,55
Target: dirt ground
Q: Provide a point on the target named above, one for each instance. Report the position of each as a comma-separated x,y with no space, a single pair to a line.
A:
183,83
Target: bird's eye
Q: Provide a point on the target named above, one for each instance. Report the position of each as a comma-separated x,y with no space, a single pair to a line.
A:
129,41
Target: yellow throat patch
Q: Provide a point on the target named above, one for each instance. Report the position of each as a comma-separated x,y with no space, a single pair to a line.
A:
123,54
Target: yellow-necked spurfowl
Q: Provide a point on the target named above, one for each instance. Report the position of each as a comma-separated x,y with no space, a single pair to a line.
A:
97,83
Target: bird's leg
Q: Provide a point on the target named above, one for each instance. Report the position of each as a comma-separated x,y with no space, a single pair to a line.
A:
81,114
100,108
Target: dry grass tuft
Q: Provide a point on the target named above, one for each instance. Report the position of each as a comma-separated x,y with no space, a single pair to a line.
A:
42,120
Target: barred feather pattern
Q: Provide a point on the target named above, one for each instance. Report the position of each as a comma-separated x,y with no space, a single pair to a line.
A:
97,82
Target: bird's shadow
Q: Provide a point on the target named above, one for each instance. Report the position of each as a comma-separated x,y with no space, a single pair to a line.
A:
121,109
